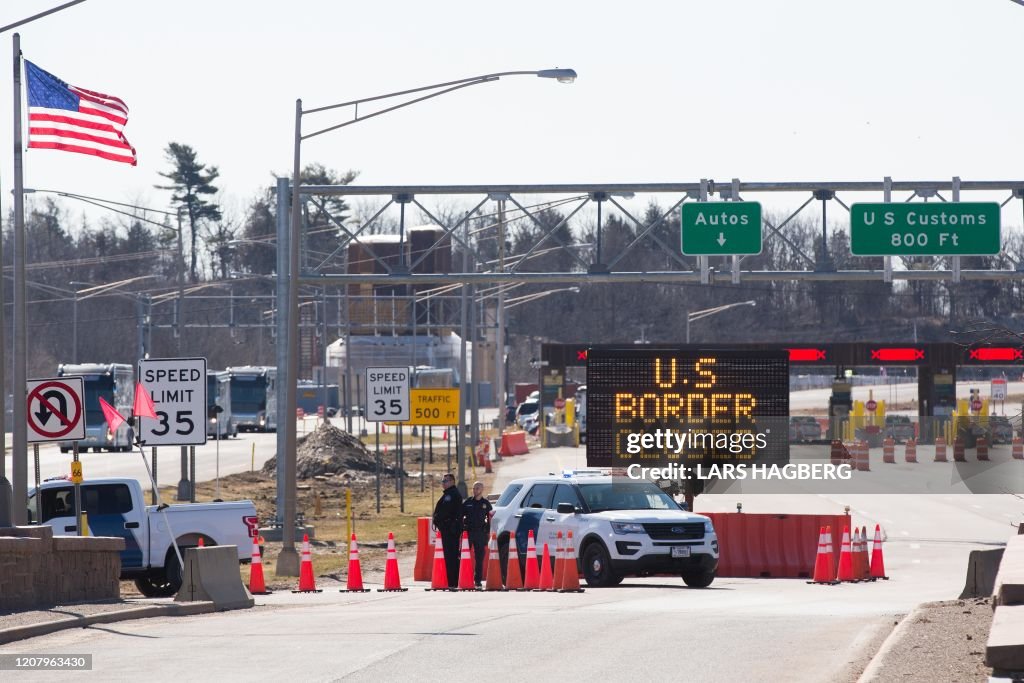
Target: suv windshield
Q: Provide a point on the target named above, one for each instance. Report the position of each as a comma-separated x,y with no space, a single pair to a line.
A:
640,495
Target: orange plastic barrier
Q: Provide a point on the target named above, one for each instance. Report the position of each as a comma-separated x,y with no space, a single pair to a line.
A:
772,546
910,451
982,446
514,443
423,570
888,450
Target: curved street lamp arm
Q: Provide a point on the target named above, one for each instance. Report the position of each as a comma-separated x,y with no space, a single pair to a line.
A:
483,79
461,81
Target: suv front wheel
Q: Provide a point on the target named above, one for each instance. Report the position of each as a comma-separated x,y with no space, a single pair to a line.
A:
698,579
597,567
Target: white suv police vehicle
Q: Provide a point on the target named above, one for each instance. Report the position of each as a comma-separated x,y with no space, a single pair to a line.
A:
621,527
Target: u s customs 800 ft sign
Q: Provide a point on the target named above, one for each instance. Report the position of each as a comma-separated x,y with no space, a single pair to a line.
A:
665,406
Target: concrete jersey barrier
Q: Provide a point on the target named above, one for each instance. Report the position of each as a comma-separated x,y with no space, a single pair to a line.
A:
211,573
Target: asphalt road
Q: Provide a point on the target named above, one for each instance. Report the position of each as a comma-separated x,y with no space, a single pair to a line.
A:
739,629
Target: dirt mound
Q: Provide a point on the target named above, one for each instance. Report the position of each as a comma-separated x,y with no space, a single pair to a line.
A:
329,450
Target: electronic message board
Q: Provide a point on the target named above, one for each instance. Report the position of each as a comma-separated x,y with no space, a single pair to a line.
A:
687,406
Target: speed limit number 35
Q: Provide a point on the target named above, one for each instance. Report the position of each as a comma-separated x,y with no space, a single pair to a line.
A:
178,389
387,394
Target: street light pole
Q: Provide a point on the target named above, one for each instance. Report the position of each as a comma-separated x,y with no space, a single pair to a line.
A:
288,561
499,337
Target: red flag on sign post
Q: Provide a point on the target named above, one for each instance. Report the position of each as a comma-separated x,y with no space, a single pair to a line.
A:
143,406
110,414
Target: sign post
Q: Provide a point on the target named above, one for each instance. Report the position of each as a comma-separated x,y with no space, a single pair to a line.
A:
387,399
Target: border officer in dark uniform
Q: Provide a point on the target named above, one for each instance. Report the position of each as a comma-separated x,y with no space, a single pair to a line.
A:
448,520
476,519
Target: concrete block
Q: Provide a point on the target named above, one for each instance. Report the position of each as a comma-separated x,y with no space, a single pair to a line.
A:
211,573
1009,588
982,568
1005,648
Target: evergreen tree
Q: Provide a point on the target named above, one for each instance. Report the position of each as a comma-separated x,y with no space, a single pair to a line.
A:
191,181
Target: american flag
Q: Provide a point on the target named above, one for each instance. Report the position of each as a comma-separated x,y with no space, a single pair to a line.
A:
62,116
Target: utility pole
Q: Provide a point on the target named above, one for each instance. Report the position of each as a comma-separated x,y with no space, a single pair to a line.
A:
460,430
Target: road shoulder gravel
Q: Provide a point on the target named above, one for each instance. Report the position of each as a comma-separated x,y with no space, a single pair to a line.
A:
938,641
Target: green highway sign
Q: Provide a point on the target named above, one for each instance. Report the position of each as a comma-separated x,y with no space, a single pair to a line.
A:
721,228
946,229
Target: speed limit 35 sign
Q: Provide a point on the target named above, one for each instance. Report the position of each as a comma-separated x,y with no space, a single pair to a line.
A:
178,389
387,394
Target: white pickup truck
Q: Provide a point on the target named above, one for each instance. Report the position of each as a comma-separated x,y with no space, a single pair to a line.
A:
116,507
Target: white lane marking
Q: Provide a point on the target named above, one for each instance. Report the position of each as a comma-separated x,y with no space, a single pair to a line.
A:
915,546
915,562
976,507
905,533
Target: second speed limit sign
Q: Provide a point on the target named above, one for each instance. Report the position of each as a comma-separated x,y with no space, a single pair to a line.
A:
387,394
178,389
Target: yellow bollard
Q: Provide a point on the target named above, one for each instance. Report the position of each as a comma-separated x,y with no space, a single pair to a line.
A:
85,523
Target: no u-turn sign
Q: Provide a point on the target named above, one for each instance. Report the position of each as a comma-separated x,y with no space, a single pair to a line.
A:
55,411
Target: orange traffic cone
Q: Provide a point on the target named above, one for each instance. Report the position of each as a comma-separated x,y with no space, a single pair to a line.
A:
822,561
547,579
532,580
444,437
256,583
439,575
392,582
513,577
877,563
556,582
570,573
493,582
845,559
466,566
355,571
306,582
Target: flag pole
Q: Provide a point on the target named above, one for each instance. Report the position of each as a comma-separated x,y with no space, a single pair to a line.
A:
161,508
19,453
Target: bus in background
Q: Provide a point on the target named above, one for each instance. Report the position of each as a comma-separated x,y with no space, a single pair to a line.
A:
218,393
115,383
254,398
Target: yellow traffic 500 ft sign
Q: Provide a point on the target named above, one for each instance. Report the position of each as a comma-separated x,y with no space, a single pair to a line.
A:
434,407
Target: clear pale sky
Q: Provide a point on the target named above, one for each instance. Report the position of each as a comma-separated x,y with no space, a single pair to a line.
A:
667,91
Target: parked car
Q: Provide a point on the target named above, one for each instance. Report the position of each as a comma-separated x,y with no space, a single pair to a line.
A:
529,407
899,428
804,428
1001,429
622,528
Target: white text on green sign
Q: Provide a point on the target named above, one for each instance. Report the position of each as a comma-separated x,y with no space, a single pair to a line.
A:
721,228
